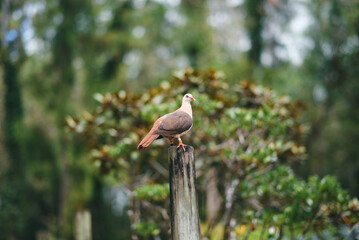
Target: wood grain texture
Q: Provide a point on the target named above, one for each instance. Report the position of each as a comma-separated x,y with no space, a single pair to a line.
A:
183,195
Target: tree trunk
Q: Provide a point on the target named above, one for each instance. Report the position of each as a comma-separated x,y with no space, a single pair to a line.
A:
3,160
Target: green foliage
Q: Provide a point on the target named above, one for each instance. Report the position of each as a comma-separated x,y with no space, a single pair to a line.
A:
247,132
281,199
146,229
153,192
55,55
331,71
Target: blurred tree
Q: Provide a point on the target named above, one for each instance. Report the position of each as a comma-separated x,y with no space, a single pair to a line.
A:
245,133
56,54
12,173
255,24
331,69
12,181
196,36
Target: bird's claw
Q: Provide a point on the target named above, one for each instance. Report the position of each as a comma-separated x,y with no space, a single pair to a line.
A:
182,145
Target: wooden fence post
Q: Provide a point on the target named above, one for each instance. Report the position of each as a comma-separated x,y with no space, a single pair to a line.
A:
183,195
42,235
83,225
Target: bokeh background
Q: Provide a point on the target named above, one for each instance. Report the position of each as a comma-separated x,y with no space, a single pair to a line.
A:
57,55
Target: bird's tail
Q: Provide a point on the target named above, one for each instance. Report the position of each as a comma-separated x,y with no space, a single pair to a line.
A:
147,140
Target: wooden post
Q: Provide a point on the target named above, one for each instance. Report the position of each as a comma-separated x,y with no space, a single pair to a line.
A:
183,195
42,235
83,225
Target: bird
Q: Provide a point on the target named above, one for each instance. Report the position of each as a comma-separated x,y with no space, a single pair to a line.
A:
172,125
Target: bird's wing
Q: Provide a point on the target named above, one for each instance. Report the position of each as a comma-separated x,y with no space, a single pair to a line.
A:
174,123
151,135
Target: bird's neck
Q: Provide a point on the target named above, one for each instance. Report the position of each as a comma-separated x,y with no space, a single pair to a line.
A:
186,107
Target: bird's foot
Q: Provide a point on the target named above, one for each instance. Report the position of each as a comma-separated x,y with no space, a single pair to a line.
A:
182,145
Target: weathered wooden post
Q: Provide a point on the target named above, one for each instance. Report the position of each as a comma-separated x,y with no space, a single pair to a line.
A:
183,195
83,225
42,235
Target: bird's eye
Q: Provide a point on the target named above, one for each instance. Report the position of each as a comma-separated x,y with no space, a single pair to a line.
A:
186,96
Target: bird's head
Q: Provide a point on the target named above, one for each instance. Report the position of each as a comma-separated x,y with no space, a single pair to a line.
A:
188,98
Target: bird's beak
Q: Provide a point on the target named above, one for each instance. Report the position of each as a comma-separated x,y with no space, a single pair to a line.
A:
193,99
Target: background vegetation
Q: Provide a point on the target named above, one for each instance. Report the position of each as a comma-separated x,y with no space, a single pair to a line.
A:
82,81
